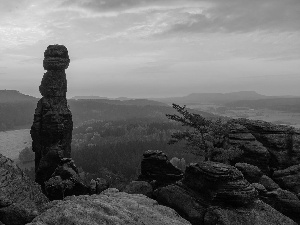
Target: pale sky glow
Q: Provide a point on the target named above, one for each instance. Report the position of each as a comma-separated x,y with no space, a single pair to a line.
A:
154,48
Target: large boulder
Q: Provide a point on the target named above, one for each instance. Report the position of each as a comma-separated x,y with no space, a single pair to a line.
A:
215,193
251,173
157,169
110,207
219,184
98,185
282,142
65,181
20,198
285,202
253,152
259,214
289,178
185,201
139,187
268,183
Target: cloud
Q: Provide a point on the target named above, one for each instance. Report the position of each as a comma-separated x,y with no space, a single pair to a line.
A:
116,5
243,16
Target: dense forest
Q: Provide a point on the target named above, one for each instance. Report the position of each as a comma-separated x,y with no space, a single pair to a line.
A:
113,150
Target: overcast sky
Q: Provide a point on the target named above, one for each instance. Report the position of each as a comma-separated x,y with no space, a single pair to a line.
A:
153,48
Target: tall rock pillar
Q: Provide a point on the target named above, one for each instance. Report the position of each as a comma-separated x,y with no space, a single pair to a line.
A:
52,127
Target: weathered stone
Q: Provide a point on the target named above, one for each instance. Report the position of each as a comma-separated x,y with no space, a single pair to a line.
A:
98,185
283,142
110,207
187,203
139,187
285,202
20,198
155,166
260,188
253,152
51,131
56,58
251,173
268,183
65,181
219,184
259,214
289,178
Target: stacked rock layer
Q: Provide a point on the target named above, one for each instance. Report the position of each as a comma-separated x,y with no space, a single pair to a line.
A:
51,131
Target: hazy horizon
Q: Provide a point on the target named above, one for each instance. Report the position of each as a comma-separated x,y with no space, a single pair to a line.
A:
154,48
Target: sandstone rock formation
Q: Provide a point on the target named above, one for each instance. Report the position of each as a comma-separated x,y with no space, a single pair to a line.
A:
51,131
20,199
215,193
289,178
219,184
284,201
282,142
139,187
110,207
98,185
259,214
253,152
157,169
251,173
65,181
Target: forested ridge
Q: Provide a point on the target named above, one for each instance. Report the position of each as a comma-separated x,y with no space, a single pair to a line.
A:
113,150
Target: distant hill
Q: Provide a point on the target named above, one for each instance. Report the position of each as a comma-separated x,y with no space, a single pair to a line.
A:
137,102
282,104
14,96
216,98
88,97
111,110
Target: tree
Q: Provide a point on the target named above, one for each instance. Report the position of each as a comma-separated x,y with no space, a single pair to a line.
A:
204,136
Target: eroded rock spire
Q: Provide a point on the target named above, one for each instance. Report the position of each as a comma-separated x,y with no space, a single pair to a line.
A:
52,127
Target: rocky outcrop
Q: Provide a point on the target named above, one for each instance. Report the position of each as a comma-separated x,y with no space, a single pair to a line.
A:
215,193
20,199
188,203
259,214
284,201
51,131
98,185
65,181
282,142
253,152
110,207
251,173
268,183
157,169
139,187
289,178
219,184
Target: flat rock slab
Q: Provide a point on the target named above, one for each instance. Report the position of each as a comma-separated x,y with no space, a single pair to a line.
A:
110,207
